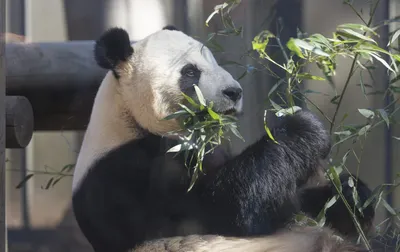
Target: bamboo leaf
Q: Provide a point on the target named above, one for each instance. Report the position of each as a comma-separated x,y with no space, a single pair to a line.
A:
388,207
48,184
308,76
364,130
23,182
384,116
356,34
176,115
288,111
214,115
367,113
335,178
394,37
200,95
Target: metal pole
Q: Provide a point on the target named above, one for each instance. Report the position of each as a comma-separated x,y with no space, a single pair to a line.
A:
388,99
288,18
3,233
383,13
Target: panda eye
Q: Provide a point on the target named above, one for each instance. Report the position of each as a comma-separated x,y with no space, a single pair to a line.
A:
190,71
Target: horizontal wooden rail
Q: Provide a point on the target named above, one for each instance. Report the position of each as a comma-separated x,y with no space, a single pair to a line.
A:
59,79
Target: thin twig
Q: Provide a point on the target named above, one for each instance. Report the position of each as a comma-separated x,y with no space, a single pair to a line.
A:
42,172
351,72
355,11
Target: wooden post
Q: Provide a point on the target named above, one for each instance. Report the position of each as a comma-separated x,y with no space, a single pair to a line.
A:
19,122
3,229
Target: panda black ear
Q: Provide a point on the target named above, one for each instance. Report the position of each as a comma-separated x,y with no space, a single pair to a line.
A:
112,47
170,27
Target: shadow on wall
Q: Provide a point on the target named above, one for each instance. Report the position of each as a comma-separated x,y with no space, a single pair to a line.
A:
65,237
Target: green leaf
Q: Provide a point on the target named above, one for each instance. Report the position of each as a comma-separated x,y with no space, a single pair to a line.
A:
291,45
367,113
377,57
363,86
350,182
176,148
180,147
217,9
68,168
187,109
384,116
270,134
261,41
176,115
321,39
344,133
214,115
23,182
357,27
356,34
335,99
388,207
275,105
345,156
56,181
190,100
275,86
364,130
288,111
394,37
48,184
200,95
309,76
237,133
303,44
335,178
321,216
193,180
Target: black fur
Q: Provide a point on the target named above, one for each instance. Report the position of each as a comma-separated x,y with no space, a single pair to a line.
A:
127,197
112,47
170,27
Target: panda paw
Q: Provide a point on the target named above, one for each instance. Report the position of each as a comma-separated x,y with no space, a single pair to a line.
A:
339,216
308,127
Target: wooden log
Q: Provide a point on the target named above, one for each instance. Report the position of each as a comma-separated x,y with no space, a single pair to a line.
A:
19,122
59,79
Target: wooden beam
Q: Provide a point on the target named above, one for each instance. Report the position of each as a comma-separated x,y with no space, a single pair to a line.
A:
3,226
59,79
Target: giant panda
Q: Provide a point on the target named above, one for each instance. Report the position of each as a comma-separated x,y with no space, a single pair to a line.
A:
130,195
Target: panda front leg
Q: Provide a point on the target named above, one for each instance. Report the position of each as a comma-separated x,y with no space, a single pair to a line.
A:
255,192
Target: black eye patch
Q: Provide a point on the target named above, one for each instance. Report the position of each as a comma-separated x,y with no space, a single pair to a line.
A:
190,75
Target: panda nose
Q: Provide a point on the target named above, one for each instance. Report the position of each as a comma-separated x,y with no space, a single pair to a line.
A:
233,93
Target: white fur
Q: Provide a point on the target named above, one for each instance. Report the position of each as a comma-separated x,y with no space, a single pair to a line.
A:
150,74
106,129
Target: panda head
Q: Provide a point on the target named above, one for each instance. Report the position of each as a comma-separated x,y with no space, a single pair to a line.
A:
151,74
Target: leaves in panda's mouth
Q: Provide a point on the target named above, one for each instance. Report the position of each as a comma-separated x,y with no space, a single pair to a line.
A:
204,130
